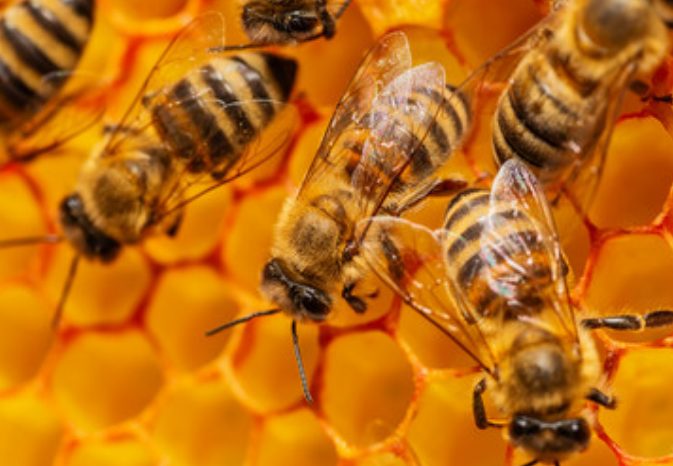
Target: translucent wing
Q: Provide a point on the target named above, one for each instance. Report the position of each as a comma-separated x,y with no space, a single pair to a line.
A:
389,58
408,257
188,50
519,244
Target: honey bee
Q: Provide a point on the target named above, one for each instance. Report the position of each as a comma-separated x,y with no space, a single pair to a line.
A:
195,124
41,42
391,131
493,280
564,84
291,21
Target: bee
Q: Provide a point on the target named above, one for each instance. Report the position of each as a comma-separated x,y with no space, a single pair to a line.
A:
41,42
564,83
291,21
493,279
393,128
195,124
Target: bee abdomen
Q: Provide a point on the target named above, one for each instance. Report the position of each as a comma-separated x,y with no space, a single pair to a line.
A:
210,117
536,120
40,42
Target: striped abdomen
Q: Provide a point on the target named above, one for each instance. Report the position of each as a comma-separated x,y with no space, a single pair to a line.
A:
496,254
550,116
209,117
41,41
432,146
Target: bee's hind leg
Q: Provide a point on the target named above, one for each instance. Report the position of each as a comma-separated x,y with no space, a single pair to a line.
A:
355,302
602,399
478,408
631,322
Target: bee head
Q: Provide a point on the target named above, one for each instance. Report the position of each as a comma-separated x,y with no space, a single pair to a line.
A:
301,301
268,23
613,25
83,234
549,441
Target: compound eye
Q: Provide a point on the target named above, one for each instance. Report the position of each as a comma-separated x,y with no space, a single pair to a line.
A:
298,22
576,430
312,303
522,426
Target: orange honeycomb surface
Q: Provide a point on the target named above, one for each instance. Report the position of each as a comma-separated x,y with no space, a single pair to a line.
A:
131,380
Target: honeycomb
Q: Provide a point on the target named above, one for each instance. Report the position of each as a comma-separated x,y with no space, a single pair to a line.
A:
130,378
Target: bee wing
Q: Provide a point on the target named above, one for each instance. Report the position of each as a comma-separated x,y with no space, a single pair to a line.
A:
386,60
520,255
585,176
409,258
190,48
260,148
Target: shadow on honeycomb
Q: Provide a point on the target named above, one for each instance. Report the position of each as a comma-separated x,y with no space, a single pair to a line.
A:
131,380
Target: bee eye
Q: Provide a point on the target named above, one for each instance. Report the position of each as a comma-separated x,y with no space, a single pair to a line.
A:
576,430
312,303
522,426
297,22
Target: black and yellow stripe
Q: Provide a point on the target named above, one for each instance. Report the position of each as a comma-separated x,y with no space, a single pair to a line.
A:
211,115
537,118
432,145
478,262
41,42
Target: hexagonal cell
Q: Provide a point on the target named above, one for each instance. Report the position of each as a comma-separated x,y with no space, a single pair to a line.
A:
20,217
101,293
112,452
25,334
202,424
632,274
297,439
433,348
306,148
504,21
444,427
641,424
30,430
370,406
200,230
635,182
103,379
248,242
384,15
382,459
263,365
188,302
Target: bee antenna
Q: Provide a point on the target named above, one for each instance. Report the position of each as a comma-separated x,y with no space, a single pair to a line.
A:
56,320
30,240
241,320
300,364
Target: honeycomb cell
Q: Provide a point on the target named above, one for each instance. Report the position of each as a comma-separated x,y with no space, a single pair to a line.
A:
641,424
20,217
382,459
102,294
432,347
187,302
297,439
248,241
30,431
504,21
200,230
263,366
306,148
388,14
632,274
201,424
635,181
370,407
112,452
102,379
25,334
443,428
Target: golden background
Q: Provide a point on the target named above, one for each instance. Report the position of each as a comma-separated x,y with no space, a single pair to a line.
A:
131,380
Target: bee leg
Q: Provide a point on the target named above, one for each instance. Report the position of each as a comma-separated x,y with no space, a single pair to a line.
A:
112,128
328,24
355,302
534,462
659,318
478,408
441,188
642,89
174,227
602,399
